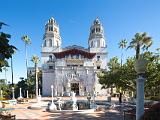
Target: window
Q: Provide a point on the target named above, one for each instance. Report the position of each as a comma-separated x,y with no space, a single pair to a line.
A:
93,31
44,45
50,42
77,56
98,67
51,29
64,88
50,67
98,58
50,58
97,29
98,43
84,89
92,44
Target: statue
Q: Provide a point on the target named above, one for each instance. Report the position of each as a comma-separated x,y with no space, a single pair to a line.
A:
74,99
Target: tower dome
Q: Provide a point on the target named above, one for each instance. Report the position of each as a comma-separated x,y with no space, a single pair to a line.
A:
96,21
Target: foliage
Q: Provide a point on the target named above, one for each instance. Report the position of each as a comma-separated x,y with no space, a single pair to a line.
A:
152,113
6,50
140,40
28,84
122,44
5,88
26,39
122,77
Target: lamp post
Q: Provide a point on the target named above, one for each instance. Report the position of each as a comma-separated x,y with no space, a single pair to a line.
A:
39,92
20,92
52,106
52,93
140,67
13,93
27,94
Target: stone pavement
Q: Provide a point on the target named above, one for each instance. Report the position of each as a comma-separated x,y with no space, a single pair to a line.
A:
22,113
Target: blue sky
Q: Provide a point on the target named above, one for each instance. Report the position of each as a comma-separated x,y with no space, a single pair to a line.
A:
120,19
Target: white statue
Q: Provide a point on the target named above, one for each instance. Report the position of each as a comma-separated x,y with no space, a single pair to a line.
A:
74,99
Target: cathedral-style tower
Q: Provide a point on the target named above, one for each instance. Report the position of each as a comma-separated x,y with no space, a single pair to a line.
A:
96,38
97,44
51,40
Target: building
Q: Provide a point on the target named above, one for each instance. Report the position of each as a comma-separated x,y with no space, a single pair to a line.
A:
73,68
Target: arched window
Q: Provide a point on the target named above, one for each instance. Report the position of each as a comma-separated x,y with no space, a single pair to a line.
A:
93,30
97,29
51,29
95,44
50,57
44,45
98,43
57,43
92,44
50,42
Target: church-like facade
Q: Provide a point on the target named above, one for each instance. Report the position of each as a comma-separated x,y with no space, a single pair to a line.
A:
73,68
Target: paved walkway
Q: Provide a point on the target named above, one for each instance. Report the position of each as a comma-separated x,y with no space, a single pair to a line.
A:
22,113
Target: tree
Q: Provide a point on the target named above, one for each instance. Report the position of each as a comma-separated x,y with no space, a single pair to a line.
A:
35,60
27,42
6,50
122,44
5,70
122,77
140,40
108,79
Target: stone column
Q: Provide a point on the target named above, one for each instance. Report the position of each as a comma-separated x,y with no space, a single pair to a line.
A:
140,97
13,93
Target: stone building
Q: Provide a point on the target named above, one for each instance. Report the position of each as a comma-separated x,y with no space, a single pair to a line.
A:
73,68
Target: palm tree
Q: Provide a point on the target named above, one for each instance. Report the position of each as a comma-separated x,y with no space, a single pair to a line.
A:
5,70
35,60
26,41
122,44
140,40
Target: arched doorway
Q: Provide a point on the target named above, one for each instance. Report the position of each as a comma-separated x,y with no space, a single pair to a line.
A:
75,88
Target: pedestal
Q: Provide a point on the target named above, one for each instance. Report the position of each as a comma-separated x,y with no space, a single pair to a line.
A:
140,97
52,107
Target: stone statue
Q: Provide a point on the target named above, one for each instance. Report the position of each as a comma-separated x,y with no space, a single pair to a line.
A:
74,99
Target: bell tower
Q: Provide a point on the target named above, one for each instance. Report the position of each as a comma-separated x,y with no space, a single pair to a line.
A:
96,37
51,39
97,44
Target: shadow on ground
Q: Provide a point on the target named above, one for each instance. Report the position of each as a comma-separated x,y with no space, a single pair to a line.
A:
85,116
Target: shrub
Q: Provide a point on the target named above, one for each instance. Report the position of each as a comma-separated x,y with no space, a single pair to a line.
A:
152,113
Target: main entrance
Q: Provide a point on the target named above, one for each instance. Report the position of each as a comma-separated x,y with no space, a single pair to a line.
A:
75,88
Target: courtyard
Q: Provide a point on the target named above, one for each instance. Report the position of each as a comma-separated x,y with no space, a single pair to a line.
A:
22,112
